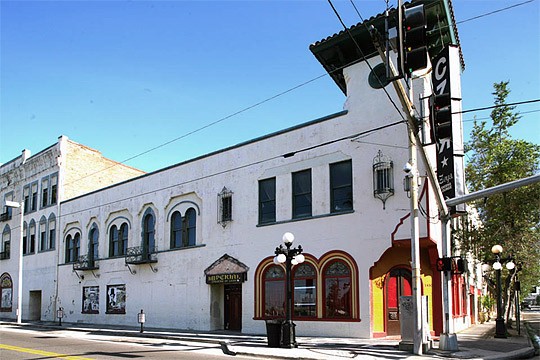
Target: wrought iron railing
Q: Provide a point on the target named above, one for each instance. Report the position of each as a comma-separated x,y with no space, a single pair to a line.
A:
86,262
141,255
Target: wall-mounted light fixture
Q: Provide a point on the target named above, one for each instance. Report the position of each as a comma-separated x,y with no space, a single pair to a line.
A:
383,177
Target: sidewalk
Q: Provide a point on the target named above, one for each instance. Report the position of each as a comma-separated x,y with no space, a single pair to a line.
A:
477,342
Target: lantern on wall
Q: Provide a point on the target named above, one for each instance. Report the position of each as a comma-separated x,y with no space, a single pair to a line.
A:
383,177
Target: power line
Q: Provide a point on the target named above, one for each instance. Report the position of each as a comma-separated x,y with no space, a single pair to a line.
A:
494,12
203,177
489,117
364,57
497,106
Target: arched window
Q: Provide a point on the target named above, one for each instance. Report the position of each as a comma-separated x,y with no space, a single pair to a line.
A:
52,231
25,238
31,247
123,238
118,240
72,247
148,233
6,243
325,289
337,290
43,243
189,227
305,290
274,291
93,243
176,230
6,293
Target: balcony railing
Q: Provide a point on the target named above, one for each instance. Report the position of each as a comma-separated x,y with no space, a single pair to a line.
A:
141,255
85,263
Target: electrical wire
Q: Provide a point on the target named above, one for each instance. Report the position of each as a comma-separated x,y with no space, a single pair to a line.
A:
363,57
493,12
203,177
214,122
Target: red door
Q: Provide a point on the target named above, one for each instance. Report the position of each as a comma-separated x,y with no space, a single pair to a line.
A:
233,307
398,283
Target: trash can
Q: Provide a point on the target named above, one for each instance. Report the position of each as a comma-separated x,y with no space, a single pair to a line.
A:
273,332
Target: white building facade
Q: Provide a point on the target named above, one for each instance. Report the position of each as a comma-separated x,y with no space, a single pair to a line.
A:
192,245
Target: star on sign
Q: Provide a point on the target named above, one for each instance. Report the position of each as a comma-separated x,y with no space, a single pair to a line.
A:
444,161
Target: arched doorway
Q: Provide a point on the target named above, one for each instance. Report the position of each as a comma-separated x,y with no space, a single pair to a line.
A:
398,283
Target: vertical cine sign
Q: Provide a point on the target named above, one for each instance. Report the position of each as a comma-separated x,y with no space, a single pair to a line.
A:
450,168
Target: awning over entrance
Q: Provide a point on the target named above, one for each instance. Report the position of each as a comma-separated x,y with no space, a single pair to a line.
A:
226,270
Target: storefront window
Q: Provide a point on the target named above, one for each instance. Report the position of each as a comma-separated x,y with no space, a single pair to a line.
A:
305,291
274,292
337,290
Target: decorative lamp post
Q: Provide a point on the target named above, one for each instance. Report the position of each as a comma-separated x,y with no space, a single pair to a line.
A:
500,326
14,204
289,256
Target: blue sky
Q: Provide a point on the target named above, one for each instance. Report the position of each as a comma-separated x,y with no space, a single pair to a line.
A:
124,77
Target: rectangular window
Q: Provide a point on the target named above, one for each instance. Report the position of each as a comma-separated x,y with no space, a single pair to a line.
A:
301,191
226,208
267,201
341,194
54,188
34,196
44,192
8,211
26,196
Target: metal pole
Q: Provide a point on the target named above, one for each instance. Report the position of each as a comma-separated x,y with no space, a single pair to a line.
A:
289,340
415,249
500,327
19,280
448,340
494,190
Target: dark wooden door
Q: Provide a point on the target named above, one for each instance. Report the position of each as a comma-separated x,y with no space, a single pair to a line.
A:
398,283
233,307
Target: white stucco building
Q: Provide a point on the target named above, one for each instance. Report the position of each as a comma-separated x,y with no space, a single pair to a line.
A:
192,244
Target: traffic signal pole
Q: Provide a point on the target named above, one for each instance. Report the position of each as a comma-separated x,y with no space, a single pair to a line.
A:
414,139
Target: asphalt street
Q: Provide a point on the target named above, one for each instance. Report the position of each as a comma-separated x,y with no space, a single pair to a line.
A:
19,344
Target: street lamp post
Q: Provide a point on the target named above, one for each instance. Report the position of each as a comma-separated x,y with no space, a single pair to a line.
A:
500,326
14,204
289,256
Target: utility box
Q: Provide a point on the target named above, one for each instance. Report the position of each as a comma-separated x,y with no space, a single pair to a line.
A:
406,320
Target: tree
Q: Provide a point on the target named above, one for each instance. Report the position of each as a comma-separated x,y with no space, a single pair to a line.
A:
510,219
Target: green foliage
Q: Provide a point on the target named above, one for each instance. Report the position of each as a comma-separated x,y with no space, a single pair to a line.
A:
487,303
511,219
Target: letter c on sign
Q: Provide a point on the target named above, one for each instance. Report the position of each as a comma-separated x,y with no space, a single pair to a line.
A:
438,73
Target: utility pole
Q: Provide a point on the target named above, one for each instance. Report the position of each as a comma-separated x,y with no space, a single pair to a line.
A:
414,139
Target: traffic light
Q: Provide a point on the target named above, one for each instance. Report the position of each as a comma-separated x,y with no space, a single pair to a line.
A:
460,266
441,115
414,39
444,264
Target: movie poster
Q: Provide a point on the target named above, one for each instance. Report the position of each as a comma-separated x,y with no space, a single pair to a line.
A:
116,299
90,300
